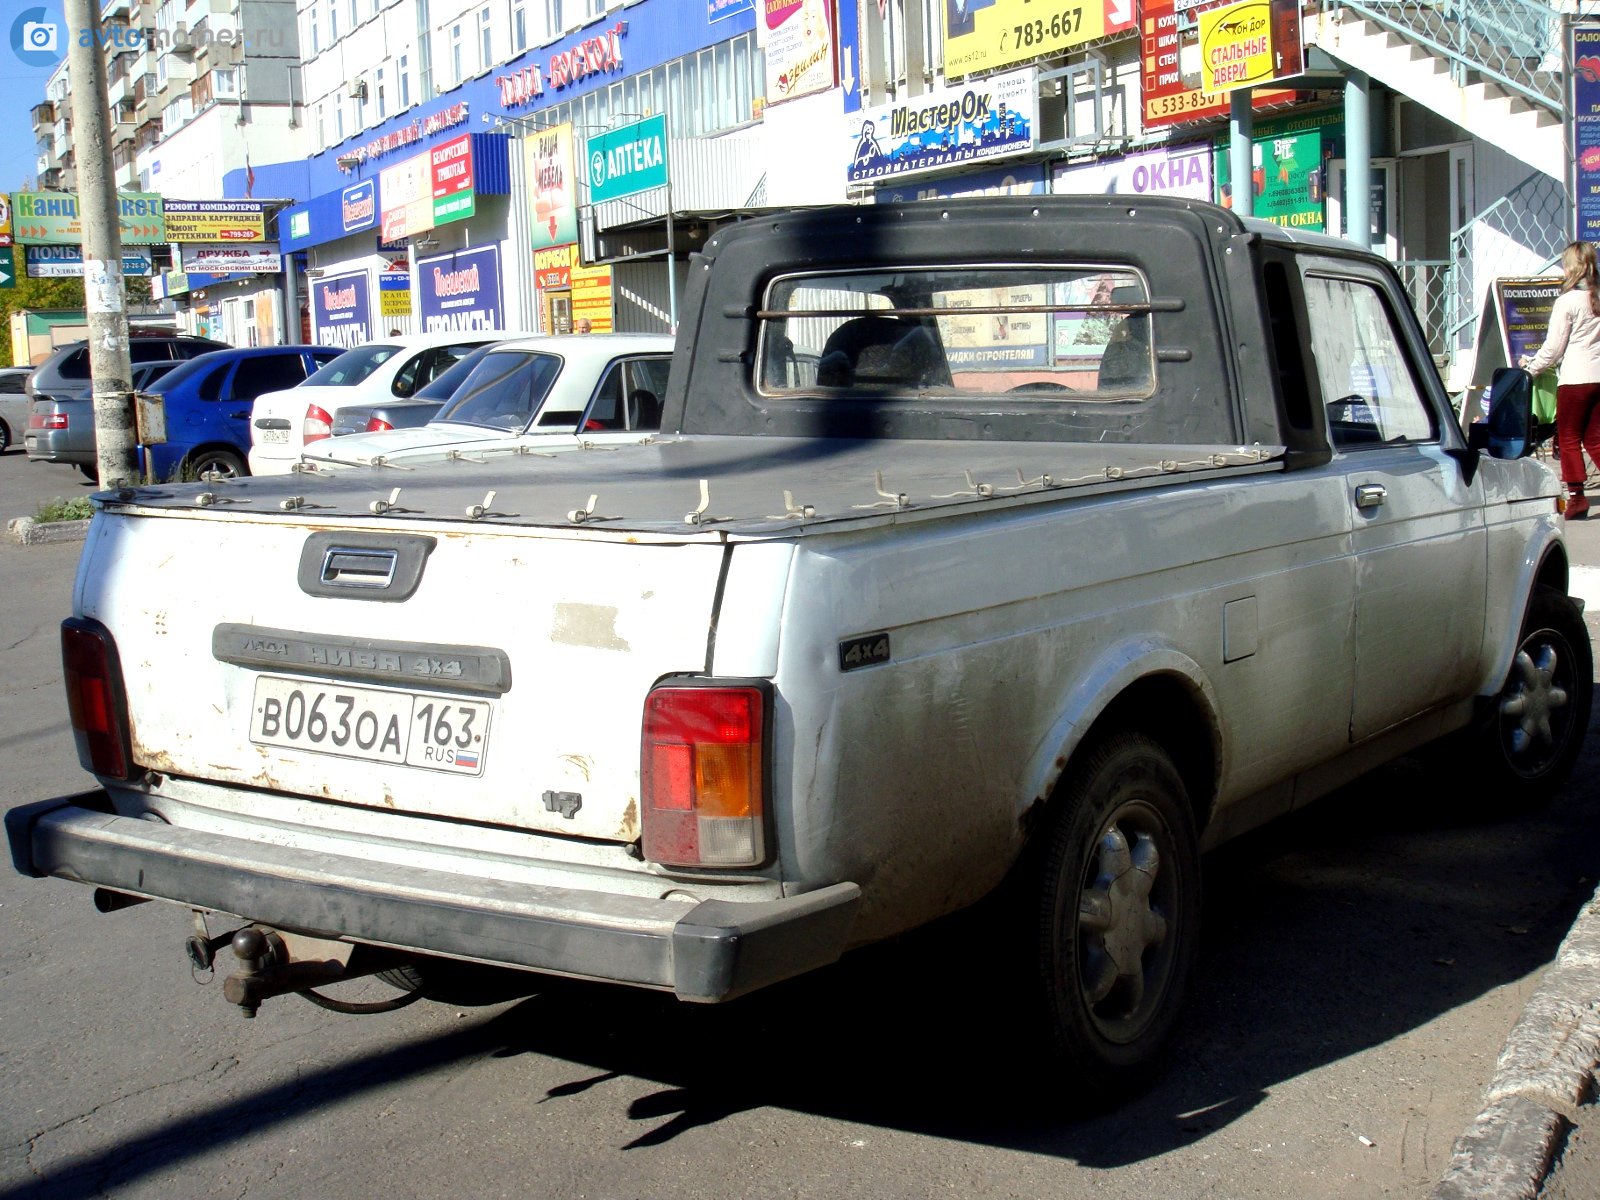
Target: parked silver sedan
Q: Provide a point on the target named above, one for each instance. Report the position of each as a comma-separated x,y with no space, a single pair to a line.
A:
525,391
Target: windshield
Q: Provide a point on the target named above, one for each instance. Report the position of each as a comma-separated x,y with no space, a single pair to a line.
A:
503,390
351,367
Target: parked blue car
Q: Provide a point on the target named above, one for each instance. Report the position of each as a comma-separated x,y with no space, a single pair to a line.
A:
208,399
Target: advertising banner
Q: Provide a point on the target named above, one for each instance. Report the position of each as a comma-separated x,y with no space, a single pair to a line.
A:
800,48
232,260
1175,171
216,221
628,159
1020,180
1524,307
406,192
1172,79
340,313
1585,58
1236,46
996,341
51,218
5,220
591,297
394,294
450,175
460,291
982,35
552,267
1286,179
547,166
358,206
8,267
66,262
948,126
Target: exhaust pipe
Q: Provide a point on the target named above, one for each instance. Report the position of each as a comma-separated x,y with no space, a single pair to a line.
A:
107,901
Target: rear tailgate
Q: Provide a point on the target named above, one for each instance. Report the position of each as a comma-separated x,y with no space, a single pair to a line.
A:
507,688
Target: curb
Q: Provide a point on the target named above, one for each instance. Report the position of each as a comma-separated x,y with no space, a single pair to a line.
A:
26,531
1545,1071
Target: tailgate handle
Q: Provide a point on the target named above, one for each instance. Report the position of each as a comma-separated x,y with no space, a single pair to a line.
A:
270,422
351,566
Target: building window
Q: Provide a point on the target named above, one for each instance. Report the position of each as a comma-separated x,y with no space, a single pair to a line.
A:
424,53
377,80
519,26
405,81
485,40
552,21
338,120
333,22
593,9
322,126
457,54
225,83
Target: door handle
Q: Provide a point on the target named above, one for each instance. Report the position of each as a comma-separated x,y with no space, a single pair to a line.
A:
1371,495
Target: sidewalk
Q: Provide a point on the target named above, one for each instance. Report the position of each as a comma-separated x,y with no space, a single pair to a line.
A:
1538,1133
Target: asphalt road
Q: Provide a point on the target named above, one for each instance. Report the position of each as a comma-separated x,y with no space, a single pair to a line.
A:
1362,963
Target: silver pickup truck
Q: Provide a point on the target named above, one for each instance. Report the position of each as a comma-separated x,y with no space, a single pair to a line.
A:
1046,542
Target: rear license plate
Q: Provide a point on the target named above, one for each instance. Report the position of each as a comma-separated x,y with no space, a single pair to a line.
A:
275,435
438,733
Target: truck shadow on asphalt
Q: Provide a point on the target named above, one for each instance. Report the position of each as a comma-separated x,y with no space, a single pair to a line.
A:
1326,934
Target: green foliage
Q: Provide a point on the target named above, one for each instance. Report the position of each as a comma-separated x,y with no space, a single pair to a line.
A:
33,294
79,508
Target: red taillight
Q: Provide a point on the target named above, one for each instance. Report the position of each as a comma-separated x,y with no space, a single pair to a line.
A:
94,698
702,777
47,420
378,425
317,425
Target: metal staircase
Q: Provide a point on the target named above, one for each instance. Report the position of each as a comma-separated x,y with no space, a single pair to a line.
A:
1494,67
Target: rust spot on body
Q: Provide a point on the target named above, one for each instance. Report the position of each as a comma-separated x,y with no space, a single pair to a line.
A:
629,830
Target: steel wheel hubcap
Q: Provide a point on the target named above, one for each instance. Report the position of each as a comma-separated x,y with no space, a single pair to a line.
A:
1534,705
1120,923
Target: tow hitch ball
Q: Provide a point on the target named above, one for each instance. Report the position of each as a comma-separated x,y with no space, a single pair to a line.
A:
267,967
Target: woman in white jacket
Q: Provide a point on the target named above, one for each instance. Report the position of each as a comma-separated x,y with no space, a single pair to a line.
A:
1573,340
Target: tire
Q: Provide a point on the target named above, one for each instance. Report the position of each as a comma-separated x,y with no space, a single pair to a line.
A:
5,437
1523,748
90,471
1119,916
225,463
466,985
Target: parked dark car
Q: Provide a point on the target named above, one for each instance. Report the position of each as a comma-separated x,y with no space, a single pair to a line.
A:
61,418
207,402
408,413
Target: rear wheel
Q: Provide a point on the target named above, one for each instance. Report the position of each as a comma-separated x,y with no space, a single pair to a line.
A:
1523,749
5,437
1119,914
91,471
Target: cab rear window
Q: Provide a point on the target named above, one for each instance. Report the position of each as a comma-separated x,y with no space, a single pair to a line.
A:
974,331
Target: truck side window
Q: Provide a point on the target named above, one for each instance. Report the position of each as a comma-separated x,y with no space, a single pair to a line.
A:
1368,388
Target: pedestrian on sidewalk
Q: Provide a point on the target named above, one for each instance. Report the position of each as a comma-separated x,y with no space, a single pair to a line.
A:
1573,341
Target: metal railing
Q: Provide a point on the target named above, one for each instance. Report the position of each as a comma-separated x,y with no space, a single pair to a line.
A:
1520,234
1427,282
1515,43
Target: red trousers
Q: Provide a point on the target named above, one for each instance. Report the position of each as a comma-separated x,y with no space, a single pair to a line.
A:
1577,425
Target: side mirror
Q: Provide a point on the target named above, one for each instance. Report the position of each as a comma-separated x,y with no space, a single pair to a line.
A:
1508,432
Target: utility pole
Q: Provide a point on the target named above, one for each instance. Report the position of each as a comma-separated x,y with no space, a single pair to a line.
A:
110,372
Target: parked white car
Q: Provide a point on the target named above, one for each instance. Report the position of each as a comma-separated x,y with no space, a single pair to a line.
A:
283,423
533,389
